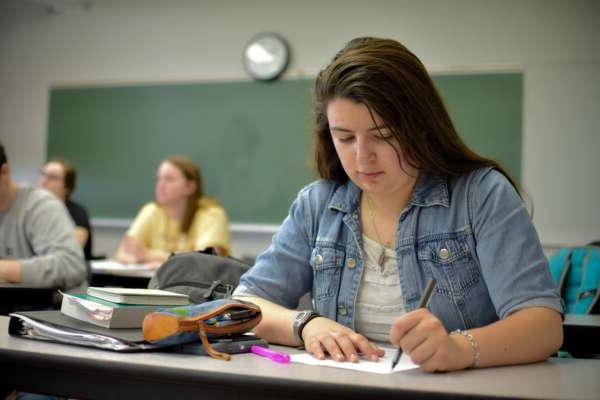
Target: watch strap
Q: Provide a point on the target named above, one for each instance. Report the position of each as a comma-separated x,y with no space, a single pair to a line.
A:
302,318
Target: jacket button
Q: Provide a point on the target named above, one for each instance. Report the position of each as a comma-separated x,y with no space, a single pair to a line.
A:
351,263
444,253
318,259
342,310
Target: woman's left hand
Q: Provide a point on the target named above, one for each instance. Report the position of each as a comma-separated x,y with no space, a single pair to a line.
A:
422,335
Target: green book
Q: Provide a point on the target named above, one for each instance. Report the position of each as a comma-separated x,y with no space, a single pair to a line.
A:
139,296
104,313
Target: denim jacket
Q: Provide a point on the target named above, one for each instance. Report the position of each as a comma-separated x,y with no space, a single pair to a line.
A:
472,233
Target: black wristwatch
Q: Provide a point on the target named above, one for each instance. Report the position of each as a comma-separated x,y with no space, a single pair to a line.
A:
302,318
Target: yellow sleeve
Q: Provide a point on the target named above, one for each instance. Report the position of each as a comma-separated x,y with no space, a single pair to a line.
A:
142,227
212,229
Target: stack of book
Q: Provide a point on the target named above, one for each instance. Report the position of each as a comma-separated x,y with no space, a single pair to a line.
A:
118,307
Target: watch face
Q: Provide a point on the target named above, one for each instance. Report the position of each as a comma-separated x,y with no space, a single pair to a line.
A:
302,316
266,56
301,319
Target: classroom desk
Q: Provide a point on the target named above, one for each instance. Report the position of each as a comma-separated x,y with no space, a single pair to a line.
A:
87,373
103,275
582,335
17,296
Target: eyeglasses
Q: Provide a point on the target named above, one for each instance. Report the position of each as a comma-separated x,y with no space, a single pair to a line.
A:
49,176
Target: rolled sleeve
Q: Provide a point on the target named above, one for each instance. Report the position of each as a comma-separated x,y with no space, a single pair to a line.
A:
282,274
243,291
510,254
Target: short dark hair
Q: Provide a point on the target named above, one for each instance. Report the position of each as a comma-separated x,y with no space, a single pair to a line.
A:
391,81
3,159
70,174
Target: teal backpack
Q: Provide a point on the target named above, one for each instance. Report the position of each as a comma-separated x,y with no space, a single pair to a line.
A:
576,271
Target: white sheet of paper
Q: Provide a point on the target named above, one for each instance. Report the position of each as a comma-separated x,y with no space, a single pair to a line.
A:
114,268
383,366
110,265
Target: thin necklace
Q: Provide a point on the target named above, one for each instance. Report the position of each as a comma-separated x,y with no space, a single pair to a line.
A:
382,255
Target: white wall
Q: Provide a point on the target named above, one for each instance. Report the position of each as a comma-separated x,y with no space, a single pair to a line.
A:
556,43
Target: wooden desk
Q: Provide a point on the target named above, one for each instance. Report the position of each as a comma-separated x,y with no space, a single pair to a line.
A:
87,373
582,335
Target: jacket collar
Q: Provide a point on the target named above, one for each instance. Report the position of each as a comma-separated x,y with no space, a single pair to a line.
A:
431,189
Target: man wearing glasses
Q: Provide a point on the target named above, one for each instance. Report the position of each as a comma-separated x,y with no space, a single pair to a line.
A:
60,177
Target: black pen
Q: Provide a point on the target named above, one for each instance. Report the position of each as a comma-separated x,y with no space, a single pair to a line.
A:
422,303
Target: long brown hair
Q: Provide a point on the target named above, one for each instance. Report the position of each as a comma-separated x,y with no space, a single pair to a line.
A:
191,172
392,82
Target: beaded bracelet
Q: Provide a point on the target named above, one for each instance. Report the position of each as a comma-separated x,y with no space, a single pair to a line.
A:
473,343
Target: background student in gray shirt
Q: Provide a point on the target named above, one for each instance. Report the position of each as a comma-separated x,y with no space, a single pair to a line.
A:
37,243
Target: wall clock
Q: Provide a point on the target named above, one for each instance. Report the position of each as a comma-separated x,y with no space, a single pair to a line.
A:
266,56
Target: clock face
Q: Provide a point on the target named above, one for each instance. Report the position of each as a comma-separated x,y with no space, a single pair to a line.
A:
266,56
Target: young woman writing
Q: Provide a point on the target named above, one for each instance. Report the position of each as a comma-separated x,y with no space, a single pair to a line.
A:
401,200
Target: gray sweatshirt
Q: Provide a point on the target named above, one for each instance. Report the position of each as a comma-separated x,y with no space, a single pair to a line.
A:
37,231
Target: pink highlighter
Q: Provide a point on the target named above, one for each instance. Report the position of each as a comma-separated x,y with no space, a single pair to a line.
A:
276,356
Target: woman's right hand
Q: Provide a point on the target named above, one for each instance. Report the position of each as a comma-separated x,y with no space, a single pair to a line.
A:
322,335
130,251
135,249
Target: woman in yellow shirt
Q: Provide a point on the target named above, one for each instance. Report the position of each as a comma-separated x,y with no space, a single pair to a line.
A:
181,218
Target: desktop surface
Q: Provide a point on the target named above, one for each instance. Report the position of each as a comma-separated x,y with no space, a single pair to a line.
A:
43,367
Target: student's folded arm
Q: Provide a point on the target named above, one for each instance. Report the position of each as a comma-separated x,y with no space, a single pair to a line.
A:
276,323
280,277
59,259
129,251
525,336
121,255
321,335
10,271
131,248
155,256
81,235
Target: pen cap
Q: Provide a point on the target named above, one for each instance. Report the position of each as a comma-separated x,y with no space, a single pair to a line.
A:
276,356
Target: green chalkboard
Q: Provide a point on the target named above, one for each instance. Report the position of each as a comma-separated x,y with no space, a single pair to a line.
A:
251,140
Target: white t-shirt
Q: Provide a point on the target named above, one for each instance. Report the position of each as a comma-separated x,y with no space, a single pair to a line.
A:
379,300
